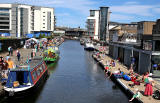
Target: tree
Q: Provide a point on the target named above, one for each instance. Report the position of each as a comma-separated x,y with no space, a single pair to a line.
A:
40,35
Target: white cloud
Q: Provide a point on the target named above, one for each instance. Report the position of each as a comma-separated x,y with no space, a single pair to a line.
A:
120,17
62,14
156,10
131,3
142,10
81,6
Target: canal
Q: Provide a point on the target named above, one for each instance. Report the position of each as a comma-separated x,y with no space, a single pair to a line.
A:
76,78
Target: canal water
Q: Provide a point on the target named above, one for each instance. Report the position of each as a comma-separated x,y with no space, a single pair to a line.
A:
76,78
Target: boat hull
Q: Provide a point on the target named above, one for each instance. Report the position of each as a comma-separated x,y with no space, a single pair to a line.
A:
89,48
29,91
52,60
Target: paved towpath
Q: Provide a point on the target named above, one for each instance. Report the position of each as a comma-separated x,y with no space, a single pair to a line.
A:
146,99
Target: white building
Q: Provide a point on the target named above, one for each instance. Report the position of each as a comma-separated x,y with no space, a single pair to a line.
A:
93,24
97,24
20,19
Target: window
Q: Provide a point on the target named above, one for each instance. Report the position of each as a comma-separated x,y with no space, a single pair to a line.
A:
92,13
43,16
4,14
43,27
43,23
4,27
38,72
43,66
4,18
4,9
4,22
40,69
43,19
34,75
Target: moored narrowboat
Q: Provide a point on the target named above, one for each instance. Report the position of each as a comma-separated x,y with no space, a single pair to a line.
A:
51,55
24,79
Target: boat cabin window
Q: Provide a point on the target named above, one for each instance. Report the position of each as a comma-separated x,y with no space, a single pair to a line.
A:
34,75
38,71
43,66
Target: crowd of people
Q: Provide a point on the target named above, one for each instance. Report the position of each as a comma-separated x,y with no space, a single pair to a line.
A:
135,78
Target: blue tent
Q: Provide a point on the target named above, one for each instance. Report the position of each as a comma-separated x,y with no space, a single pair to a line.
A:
29,35
5,34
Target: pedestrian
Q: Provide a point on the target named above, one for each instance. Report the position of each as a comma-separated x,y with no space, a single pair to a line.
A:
9,50
10,63
18,55
5,69
7,57
137,95
148,89
1,63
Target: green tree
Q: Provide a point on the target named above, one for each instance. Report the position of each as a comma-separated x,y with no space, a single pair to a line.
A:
43,36
40,35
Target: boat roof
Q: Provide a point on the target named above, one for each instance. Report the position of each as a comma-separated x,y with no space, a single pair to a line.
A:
29,65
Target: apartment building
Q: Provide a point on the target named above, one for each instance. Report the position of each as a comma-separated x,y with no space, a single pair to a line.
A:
97,24
123,31
156,36
19,20
144,30
93,24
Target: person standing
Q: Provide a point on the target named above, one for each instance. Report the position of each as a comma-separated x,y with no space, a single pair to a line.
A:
18,55
5,69
9,50
10,63
148,89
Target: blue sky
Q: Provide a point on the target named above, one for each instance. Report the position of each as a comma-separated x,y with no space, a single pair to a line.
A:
73,13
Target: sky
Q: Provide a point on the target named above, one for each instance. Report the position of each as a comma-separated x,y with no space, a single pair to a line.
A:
73,13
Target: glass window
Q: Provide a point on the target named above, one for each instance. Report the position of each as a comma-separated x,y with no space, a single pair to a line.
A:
41,69
43,66
38,72
4,14
34,75
4,9
4,18
92,13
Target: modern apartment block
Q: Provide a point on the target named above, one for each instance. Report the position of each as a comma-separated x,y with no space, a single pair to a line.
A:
20,19
93,24
97,24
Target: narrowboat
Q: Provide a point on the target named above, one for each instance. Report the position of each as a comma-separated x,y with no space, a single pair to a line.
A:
26,78
51,55
89,46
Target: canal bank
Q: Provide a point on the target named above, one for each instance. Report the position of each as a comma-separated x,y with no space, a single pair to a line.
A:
25,55
123,84
76,78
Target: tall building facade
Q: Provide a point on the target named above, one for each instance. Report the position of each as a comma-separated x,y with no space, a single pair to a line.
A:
104,18
97,23
93,24
19,19
144,29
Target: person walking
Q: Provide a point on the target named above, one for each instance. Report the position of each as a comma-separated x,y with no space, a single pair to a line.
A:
18,55
9,50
